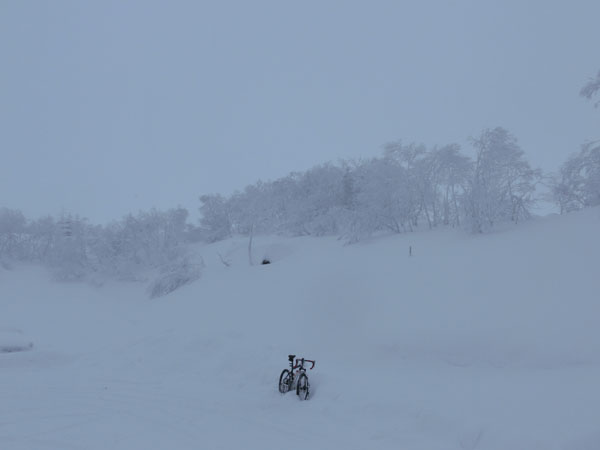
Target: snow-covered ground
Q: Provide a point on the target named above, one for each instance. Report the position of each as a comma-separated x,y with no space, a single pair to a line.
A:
474,342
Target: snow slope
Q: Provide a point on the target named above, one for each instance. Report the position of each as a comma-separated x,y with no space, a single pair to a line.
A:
474,342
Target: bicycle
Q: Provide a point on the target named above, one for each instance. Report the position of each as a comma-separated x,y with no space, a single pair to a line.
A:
290,379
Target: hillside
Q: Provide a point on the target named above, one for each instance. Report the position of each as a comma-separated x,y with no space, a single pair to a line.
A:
473,342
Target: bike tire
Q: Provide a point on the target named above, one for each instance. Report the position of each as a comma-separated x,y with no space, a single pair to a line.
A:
284,381
303,387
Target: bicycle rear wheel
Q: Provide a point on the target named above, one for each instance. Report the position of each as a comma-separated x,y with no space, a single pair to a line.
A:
303,387
285,381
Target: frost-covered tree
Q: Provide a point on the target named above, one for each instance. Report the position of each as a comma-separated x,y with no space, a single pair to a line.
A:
412,183
74,249
12,233
41,238
314,208
251,209
591,88
215,223
502,183
432,181
383,199
448,174
305,203
578,182
408,186
348,194
69,255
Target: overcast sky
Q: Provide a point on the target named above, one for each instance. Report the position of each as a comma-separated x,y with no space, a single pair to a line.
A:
109,107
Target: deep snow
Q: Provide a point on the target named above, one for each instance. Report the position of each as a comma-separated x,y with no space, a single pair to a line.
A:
474,342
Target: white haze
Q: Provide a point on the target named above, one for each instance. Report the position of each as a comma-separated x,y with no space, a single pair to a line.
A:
110,107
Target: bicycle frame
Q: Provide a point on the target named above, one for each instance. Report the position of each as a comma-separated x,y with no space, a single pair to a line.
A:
298,367
300,364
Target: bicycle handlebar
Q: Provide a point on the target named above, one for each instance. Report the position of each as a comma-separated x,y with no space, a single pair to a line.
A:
304,360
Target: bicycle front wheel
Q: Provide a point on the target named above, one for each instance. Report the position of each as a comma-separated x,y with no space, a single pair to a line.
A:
302,387
285,381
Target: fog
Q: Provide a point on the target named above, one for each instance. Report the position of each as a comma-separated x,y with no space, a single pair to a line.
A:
111,107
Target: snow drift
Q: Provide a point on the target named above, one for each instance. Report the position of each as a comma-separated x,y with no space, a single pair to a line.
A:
485,342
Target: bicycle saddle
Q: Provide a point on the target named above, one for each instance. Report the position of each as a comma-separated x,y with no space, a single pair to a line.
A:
291,357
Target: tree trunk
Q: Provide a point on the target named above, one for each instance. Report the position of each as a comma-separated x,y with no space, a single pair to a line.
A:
250,245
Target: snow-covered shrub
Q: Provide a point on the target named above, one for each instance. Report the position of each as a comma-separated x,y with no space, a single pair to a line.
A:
174,276
13,340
